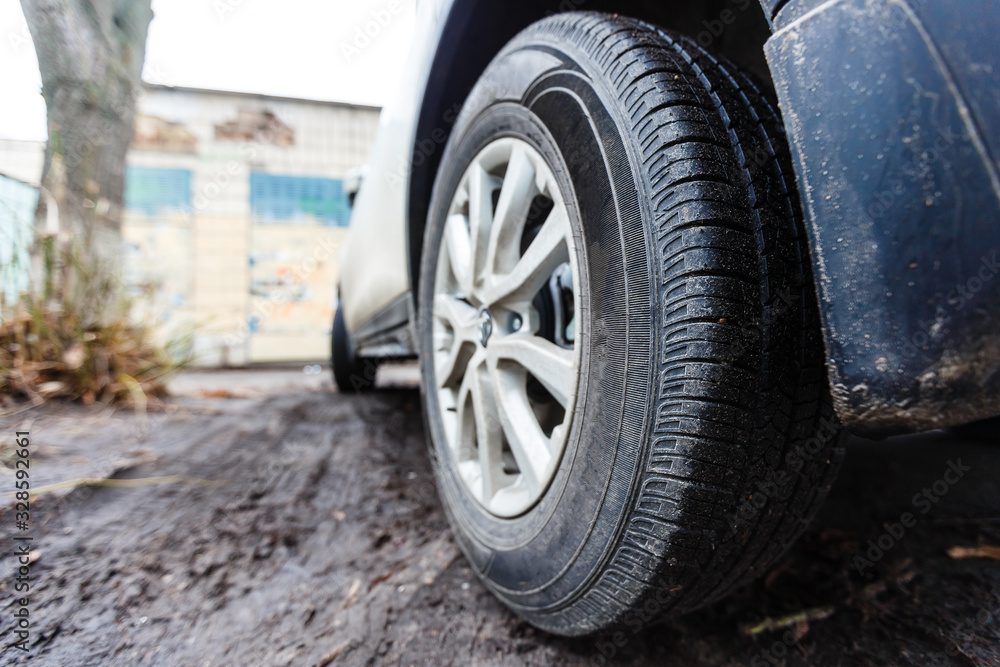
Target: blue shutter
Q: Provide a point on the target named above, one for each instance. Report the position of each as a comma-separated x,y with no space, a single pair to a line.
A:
154,190
277,199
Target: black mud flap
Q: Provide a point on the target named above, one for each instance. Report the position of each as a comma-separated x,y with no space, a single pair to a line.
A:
893,114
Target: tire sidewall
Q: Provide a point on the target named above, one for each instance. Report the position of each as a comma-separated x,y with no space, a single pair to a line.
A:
546,557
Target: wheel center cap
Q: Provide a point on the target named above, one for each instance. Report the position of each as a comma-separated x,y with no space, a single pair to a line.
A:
485,326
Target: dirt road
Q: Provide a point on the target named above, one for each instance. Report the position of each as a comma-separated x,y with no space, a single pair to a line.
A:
320,540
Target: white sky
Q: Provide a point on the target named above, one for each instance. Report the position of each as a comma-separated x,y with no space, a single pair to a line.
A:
292,48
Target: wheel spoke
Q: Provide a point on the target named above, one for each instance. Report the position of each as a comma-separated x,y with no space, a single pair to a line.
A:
465,438
489,435
550,364
461,317
458,314
527,442
547,251
459,252
512,211
451,367
481,186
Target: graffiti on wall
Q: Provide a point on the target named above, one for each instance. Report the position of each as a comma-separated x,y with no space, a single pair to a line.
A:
156,134
256,126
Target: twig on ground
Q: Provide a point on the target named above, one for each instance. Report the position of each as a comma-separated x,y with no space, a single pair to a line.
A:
771,624
983,551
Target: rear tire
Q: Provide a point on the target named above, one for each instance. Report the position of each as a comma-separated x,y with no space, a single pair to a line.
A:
350,373
699,434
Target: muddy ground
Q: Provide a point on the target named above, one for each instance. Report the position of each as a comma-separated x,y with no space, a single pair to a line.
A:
321,541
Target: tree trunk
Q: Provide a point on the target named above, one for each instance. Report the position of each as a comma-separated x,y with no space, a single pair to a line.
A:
90,54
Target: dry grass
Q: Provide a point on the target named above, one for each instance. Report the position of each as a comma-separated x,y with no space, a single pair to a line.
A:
46,352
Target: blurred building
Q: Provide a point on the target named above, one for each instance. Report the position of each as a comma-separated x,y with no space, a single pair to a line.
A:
235,208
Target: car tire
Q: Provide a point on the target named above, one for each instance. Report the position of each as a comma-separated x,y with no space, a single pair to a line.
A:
350,373
694,438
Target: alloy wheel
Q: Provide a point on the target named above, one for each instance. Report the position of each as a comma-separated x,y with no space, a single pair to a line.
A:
506,361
